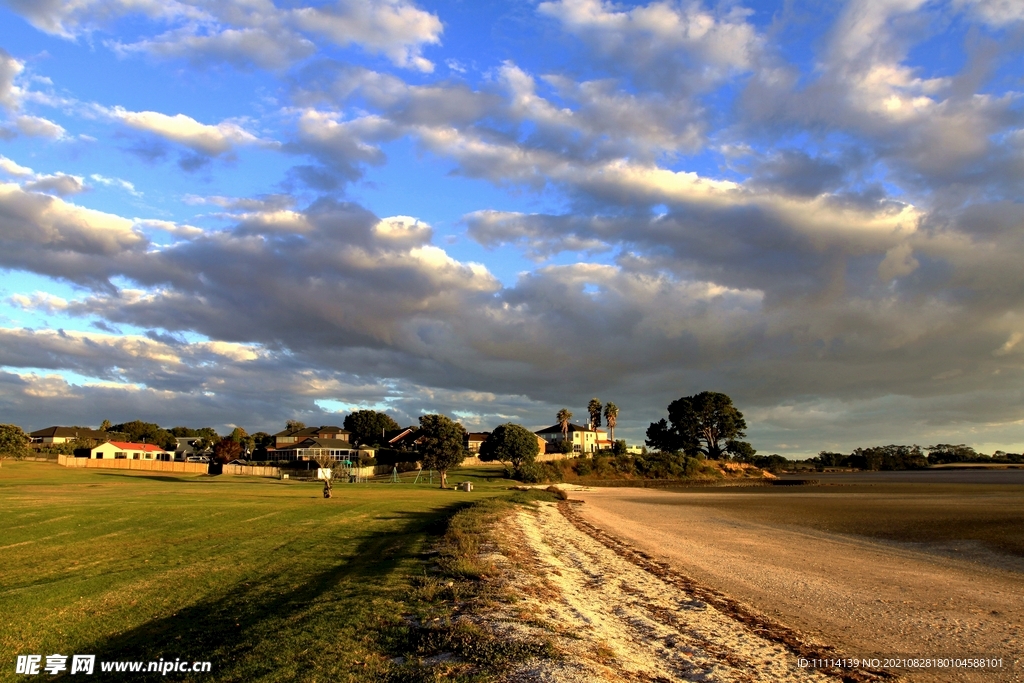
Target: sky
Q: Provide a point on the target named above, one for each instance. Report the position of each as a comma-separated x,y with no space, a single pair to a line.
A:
239,212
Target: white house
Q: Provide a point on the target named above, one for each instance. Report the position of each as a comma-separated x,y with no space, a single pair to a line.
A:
583,439
125,450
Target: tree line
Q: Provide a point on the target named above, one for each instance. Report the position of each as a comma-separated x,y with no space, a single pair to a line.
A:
895,457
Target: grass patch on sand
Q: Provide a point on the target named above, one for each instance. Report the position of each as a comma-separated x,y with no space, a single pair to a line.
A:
266,579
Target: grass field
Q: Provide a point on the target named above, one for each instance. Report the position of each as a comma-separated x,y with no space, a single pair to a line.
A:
939,516
266,579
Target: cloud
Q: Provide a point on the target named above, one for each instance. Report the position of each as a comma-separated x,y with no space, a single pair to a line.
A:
54,237
665,44
57,183
394,28
184,130
263,48
10,68
250,34
71,19
116,182
13,168
37,127
993,12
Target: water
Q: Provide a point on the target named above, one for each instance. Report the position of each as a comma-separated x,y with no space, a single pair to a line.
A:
933,476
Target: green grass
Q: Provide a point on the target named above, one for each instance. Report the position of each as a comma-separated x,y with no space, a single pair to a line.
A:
266,579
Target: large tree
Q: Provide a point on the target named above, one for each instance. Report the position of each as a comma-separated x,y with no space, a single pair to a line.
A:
705,423
510,443
226,450
368,427
594,408
441,444
13,442
563,416
138,431
611,416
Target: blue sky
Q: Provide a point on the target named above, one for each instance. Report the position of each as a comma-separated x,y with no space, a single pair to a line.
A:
236,213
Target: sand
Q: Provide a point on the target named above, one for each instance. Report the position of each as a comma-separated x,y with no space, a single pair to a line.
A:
613,620
860,597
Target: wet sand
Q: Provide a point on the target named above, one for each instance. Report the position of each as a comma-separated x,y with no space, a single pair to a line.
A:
861,596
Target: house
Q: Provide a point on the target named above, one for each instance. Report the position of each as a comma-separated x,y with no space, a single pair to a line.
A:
125,450
289,437
311,449
583,439
186,447
404,439
65,434
474,440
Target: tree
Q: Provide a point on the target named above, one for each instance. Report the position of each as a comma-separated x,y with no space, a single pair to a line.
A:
594,408
246,442
13,442
138,431
226,450
563,416
611,416
511,443
293,425
368,427
261,440
698,424
442,444
741,450
105,426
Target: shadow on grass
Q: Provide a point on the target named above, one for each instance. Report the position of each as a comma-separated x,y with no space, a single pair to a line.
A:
191,479
308,622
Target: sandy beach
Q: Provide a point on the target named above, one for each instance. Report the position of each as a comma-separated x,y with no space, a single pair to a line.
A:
859,596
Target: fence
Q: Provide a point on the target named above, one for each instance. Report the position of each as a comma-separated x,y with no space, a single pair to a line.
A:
153,465
253,471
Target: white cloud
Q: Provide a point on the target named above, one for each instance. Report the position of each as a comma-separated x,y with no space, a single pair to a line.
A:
394,28
14,168
57,183
178,229
662,42
35,126
266,48
250,33
116,182
10,68
211,140
50,223
71,19
994,12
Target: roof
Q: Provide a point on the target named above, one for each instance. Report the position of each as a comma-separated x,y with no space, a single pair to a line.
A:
558,428
312,431
395,437
478,436
70,432
129,446
318,443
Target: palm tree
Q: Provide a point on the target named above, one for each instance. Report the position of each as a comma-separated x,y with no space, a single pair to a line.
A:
563,418
611,416
594,408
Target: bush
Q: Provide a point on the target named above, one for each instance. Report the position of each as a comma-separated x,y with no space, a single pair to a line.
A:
561,494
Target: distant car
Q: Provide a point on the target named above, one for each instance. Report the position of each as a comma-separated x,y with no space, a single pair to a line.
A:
197,458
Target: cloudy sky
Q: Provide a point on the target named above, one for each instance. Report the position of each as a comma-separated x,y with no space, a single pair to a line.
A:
236,212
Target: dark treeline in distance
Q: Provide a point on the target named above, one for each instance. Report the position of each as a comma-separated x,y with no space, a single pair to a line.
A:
893,457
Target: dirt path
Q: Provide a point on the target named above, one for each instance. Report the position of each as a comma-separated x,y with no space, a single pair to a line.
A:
617,621
860,596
